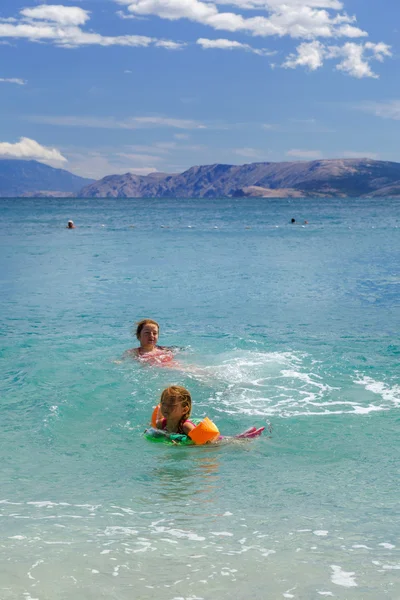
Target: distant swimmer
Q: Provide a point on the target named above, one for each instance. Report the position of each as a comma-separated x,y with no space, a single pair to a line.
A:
293,220
71,225
147,332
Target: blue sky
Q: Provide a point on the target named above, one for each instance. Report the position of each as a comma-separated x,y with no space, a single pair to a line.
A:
109,86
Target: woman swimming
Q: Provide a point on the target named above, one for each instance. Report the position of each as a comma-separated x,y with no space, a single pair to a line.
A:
147,332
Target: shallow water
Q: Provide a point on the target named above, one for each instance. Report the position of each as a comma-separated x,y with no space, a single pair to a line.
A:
290,326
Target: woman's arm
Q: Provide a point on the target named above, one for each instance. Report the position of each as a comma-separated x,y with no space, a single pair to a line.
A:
132,352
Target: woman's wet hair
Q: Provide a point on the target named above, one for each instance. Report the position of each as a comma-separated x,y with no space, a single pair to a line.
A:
179,394
142,323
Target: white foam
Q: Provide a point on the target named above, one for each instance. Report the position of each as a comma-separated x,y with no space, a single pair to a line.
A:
128,511
186,598
43,504
365,410
57,543
179,533
115,530
275,383
320,532
266,552
36,564
342,578
379,388
387,545
288,384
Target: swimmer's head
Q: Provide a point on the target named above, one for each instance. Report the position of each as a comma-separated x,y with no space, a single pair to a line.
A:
293,220
141,324
174,398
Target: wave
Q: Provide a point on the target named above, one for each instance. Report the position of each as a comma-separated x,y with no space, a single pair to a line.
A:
289,384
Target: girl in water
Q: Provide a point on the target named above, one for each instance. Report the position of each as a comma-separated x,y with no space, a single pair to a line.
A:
172,417
175,409
147,332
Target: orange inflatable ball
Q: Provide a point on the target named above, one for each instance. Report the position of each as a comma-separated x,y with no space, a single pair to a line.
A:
204,432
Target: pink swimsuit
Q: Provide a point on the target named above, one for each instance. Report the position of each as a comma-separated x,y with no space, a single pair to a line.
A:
180,426
160,358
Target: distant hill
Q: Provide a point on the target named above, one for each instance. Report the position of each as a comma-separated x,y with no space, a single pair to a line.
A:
326,178
28,177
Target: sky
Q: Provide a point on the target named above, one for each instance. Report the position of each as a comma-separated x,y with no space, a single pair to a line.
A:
100,87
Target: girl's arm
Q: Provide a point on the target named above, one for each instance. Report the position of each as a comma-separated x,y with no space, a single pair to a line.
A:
160,423
188,426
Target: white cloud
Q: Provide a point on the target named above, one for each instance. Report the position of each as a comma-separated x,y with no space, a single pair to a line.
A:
385,110
63,15
167,122
352,154
310,55
169,44
106,161
305,154
27,148
157,147
113,123
353,61
276,4
306,19
351,32
139,158
13,80
355,58
251,153
142,170
224,44
309,20
122,15
61,25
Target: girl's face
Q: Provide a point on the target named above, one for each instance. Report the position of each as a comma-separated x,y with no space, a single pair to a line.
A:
171,408
149,335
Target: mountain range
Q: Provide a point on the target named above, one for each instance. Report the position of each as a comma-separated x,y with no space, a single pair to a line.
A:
325,178
31,178
336,177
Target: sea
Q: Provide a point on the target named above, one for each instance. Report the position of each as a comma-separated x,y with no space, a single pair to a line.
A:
291,326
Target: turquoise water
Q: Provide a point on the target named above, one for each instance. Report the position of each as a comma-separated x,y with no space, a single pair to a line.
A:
295,327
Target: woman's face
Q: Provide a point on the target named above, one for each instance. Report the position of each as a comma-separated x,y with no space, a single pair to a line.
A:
149,335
